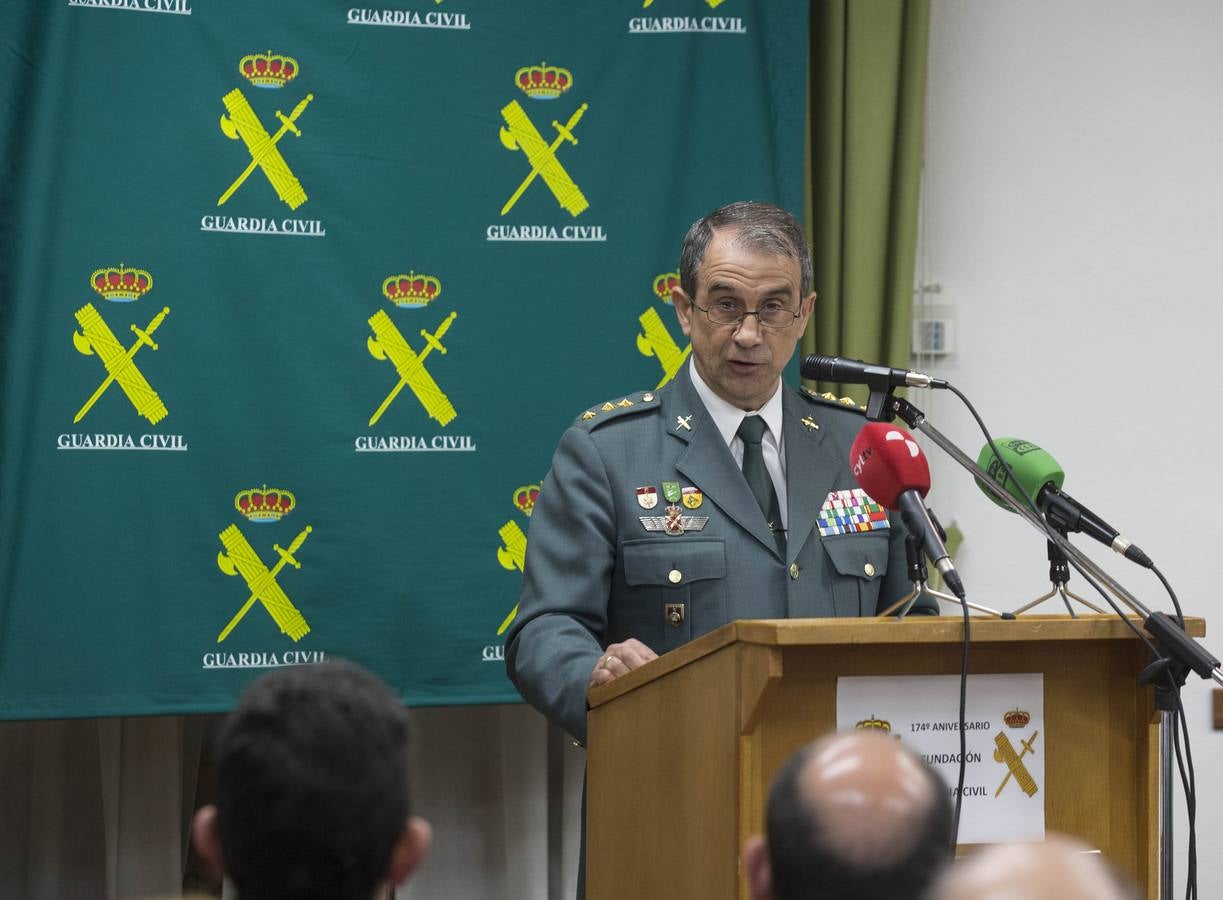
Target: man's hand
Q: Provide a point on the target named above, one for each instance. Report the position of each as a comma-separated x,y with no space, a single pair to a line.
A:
618,659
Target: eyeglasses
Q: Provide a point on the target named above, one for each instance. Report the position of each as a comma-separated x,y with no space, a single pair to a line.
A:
772,314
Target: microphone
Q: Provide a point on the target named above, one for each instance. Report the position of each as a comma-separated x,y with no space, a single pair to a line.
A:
855,371
891,467
1037,475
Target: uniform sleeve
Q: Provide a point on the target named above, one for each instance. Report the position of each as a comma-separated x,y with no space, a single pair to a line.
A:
896,583
559,632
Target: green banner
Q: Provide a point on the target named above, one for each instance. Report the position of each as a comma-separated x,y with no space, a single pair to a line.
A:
297,298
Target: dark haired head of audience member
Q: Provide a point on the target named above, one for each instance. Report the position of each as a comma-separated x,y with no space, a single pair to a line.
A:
1058,868
854,815
312,796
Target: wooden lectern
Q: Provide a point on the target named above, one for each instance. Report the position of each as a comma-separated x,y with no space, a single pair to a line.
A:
681,752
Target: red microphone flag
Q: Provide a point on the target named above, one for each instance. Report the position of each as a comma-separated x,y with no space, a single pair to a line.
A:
887,462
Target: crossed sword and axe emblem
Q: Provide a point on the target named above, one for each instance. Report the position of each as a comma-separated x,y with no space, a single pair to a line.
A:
512,556
1005,753
388,342
241,122
95,336
521,134
240,557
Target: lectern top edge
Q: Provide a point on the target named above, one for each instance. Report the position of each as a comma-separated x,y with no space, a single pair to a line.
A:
915,629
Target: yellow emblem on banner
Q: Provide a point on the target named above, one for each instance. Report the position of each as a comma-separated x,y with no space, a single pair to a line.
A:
519,133
239,557
664,284
655,340
543,82
525,498
121,285
388,342
268,70
512,553
242,122
412,291
265,504
96,337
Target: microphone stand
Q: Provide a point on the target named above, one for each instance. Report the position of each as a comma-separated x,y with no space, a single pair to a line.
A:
918,575
1170,637
1183,653
1059,574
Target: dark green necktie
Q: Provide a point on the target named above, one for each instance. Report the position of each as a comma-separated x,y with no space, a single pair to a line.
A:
751,432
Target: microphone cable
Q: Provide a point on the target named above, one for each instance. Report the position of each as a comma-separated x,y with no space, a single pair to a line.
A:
959,791
1179,725
1183,765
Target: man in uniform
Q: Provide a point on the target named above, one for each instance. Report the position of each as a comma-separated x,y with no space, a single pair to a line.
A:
722,496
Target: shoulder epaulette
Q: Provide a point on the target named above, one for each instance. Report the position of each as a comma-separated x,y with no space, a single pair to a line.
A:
845,403
618,408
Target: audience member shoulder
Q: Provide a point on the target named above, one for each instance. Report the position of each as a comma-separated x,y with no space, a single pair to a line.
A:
617,409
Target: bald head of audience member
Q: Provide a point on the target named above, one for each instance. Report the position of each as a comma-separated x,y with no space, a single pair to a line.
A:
854,815
312,799
1057,869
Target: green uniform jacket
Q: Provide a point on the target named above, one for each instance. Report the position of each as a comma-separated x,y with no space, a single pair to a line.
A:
595,575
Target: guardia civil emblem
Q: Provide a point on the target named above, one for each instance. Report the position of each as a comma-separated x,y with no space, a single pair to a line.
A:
513,550
388,342
655,338
264,70
411,291
120,285
543,82
263,505
1006,754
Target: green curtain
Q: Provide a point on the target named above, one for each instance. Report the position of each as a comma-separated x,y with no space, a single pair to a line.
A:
867,94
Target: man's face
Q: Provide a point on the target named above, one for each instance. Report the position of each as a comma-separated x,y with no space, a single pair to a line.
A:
742,364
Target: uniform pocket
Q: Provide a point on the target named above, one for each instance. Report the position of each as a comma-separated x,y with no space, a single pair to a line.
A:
860,560
676,587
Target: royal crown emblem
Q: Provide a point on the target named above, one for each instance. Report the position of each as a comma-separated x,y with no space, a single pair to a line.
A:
663,284
543,82
411,290
874,724
268,70
1017,718
121,285
265,504
525,497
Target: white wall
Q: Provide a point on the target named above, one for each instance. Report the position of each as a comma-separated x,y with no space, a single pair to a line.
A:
1074,183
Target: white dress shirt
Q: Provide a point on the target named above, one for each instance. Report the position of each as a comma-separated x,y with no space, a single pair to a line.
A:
727,417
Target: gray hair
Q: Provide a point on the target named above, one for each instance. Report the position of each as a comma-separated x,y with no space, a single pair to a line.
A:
760,226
